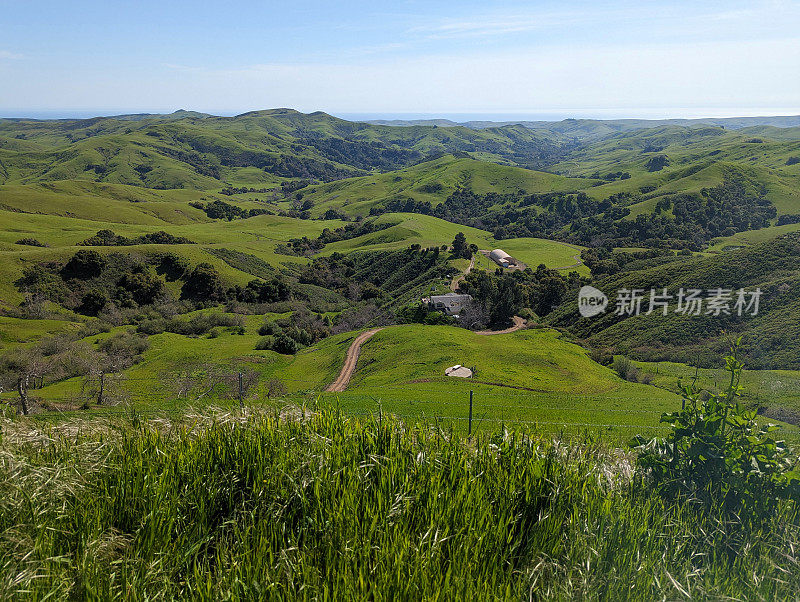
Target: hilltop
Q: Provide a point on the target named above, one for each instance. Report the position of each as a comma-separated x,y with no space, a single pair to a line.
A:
586,129
266,240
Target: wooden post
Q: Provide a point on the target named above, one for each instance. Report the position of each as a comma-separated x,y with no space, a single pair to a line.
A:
22,389
241,391
102,388
470,414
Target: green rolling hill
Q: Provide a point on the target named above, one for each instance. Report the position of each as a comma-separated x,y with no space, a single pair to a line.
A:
312,200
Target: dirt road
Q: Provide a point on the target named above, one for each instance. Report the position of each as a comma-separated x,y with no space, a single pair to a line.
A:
341,382
519,324
457,280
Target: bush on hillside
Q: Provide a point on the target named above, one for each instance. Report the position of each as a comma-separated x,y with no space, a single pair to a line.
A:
142,287
30,242
418,313
280,343
657,163
92,303
84,265
262,291
602,356
122,350
203,285
718,454
200,324
625,369
793,218
171,266
107,238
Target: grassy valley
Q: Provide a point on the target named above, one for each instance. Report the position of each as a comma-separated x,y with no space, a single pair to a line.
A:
315,203
179,293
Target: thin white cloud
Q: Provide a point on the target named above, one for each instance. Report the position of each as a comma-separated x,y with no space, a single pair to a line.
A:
494,24
600,18
7,54
184,68
590,77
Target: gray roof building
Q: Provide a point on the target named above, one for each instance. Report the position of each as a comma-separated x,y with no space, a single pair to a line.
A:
452,303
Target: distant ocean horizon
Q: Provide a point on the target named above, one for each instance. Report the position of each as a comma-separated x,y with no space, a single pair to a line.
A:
459,117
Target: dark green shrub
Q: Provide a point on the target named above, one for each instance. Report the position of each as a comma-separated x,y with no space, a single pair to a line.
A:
93,302
269,328
718,454
793,218
153,326
431,188
657,163
625,368
92,328
284,344
143,288
604,357
280,343
172,266
203,284
84,265
31,242
202,323
265,343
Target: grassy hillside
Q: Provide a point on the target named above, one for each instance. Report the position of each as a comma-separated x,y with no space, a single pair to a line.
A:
62,220
304,178
200,152
771,337
230,505
591,129
694,158
529,376
434,181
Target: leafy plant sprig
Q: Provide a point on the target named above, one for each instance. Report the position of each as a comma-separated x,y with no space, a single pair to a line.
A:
718,454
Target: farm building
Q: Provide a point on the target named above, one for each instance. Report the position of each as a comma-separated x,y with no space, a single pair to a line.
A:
452,303
502,258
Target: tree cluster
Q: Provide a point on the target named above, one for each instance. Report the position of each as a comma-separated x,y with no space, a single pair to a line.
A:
107,238
504,294
309,246
217,209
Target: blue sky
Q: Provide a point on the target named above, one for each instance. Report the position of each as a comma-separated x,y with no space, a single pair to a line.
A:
612,59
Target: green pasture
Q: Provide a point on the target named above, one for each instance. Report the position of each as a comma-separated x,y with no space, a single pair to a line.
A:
522,378
434,181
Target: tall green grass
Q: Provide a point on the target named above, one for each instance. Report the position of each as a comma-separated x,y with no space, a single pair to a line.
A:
320,506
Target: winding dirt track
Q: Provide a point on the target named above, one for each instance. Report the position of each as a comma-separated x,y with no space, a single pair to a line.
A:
457,280
341,382
519,324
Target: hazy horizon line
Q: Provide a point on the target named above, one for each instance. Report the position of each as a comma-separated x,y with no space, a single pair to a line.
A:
654,114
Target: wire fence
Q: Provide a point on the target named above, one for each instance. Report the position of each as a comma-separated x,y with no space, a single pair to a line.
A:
461,403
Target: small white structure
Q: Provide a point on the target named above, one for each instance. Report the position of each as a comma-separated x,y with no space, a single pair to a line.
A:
452,303
502,258
458,371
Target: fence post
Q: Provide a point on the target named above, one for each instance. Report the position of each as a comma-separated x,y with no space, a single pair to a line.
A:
102,387
241,391
470,415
